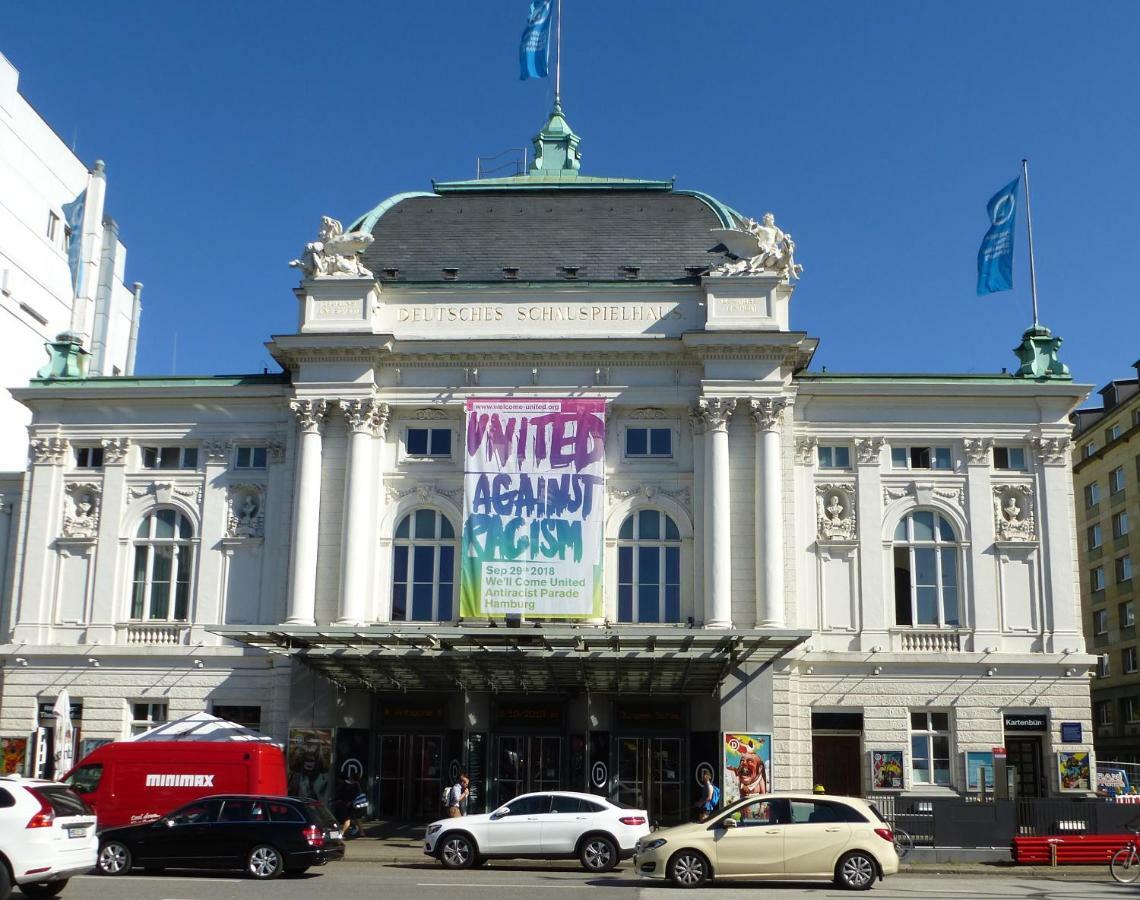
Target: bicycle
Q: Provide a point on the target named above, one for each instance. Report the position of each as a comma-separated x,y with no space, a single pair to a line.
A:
1125,863
904,843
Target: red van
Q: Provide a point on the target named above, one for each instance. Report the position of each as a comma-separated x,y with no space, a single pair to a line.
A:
131,782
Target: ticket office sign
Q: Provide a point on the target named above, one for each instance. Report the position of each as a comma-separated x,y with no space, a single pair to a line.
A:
533,487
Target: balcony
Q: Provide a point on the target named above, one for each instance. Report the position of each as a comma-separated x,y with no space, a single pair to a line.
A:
157,634
927,640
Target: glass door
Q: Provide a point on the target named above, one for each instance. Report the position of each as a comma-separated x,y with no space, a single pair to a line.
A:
665,802
631,766
527,764
391,779
546,771
510,767
427,773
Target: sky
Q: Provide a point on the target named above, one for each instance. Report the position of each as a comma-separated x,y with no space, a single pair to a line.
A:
875,131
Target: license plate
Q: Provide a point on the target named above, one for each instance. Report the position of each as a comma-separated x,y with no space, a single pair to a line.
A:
334,835
77,832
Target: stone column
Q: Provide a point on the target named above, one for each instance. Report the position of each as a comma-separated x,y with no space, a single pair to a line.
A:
1057,526
302,607
700,568
876,597
365,419
766,415
35,578
718,556
979,588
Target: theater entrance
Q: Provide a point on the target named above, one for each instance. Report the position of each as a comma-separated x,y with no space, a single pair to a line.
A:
409,784
526,763
650,775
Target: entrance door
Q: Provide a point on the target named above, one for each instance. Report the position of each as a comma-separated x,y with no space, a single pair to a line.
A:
650,777
427,773
527,763
392,777
835,763
1024,757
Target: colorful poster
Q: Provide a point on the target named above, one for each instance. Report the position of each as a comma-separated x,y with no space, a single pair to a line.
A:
15,751
1073,771
532,520
310,762
979,760
747,765
886,770
1113,782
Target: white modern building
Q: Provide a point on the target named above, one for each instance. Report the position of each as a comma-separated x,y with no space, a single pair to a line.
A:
866,576
61,262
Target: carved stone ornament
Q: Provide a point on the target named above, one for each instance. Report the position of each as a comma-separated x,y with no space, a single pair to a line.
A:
868,450
767,413
978,450
424,491
1014,518
897,492
715,411
164,491
334,254
276,449
49,450
1053,451
835,512
697,421
759,248
649,491
805,451
245,504
648,412
365,416
115,450
430,414
924,493
216,452
81,516
310,414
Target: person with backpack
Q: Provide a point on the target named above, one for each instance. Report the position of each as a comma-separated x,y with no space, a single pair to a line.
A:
711,799
455,797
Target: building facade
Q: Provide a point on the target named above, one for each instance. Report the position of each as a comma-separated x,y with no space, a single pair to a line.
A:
802,577
62,265
1106,478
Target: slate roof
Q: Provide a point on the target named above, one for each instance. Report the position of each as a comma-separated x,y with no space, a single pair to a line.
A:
545,235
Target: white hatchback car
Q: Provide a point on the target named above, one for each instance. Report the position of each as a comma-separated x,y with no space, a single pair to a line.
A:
551,825
47,834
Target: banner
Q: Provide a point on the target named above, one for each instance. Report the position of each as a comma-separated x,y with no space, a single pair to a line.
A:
532,518
995,256
534,48
310,762
747,766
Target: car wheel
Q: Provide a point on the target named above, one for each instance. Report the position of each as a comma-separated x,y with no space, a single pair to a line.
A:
264,862
114,859
856,872
43,889
5,883
688,869
598,853
457,852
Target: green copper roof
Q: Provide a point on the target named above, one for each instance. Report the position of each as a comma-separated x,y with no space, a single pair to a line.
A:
147,381
369,219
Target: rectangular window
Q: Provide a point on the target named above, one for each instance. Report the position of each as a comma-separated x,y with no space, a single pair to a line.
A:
1104,714
649,443
930,747
1129,709
1128,660
1088,449
1093,536
1111,433
1092,495
251,458
834,457
52,226
170,457
145,716
1096,579
1100,621
1119,524
247,716
428,443
1116,480
1103,666
1127,614
1009,458
89,457
921,458
1123,568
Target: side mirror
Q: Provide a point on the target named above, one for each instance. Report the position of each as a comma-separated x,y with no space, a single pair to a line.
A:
169,823
728,822
500,812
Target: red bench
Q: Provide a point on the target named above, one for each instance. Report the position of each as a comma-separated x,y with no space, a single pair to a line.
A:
1071,849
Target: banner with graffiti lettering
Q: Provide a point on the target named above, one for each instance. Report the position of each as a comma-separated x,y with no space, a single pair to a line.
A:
532,529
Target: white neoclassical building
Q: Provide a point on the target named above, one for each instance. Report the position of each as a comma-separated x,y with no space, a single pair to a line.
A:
854,579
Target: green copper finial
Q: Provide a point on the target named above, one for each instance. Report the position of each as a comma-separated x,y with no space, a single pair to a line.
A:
67,358
556,147
1038,355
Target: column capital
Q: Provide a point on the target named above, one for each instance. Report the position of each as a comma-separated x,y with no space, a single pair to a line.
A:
1053,451
216,452
867,450
49,451
696,420
714,412
978,451
310,414
767,412
115,451
805,450
365,416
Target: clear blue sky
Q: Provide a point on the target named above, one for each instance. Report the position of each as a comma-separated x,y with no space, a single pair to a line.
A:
875,131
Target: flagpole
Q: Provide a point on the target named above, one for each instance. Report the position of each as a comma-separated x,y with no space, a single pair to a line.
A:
1029,226
558,56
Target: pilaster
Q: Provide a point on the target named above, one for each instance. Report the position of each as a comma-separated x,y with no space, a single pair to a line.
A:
44,516
718,558
310,415
700,568
211,569
876,598
1061,595
767,415
981,578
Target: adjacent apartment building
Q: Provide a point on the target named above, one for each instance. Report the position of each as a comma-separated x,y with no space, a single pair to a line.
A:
1106,477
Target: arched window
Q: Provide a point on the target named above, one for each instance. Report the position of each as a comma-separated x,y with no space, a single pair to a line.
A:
926,570
649,568
423,568
164,561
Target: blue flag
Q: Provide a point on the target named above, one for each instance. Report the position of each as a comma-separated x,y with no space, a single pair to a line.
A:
534,51
73,215
995,256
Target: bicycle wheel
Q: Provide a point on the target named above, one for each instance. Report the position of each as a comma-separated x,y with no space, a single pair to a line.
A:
904,843
1125,865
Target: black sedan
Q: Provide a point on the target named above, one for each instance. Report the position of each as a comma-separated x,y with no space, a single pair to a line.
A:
265,836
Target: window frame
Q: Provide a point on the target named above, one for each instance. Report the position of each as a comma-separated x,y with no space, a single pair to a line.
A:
1130,710
833,451
252,450
92,454
1129,661
910,451
649,453
430,432
1126,613
929,734
1092,494
140,724
1094,537
437,543
938,545
1096,579
1120,524
181,547
1103,666
187,457
1009,450
1100,621
1122,567
1103,713
1116,481
632,546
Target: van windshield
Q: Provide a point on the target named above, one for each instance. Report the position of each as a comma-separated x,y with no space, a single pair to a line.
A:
85,779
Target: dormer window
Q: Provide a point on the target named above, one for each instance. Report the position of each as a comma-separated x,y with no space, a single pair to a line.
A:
631,273
450,273
510,273
570,273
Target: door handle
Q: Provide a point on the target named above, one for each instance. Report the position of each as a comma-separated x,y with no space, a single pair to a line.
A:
772,831
581,818
831,829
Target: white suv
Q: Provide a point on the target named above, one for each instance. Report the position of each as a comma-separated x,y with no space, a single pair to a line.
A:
556,825
47,834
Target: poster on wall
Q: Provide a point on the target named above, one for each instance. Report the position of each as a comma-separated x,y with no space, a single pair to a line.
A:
310,763
979,761
886,770
533,480
747,765
1074,771
15,750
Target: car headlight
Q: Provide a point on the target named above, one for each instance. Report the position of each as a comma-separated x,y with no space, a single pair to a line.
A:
432,829
654,844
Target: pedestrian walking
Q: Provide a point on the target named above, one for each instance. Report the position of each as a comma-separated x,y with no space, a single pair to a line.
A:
710,798
455,797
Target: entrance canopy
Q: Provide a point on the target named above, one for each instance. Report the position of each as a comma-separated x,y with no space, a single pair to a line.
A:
631,659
